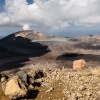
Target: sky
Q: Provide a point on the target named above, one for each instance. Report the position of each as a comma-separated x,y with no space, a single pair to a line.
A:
66,18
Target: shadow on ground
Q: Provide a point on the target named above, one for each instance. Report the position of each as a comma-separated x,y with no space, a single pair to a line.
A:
76,56
14,51
32,94
66,59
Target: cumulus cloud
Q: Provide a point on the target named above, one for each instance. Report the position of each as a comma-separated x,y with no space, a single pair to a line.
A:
50,15
91,20
26,27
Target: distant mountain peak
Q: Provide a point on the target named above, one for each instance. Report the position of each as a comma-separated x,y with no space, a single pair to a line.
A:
31,34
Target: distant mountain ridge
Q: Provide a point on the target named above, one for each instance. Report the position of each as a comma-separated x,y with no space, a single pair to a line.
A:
31,34
21,42
28,34
1,37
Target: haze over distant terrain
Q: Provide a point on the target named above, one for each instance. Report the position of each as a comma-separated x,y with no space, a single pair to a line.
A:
54,17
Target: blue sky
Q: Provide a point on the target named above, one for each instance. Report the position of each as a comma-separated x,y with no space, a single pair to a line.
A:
2,2
54,17
30,1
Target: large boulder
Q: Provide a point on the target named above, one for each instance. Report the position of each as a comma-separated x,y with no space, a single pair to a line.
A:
79,64
15,88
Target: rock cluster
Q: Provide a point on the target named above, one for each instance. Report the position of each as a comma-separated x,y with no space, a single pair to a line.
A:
17,86
56,84
76,85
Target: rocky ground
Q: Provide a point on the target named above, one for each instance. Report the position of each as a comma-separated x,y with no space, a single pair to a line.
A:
61,84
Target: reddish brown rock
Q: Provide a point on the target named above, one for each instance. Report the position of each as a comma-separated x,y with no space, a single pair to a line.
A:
79,64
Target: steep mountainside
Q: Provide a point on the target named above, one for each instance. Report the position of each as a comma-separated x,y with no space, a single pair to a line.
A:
21,42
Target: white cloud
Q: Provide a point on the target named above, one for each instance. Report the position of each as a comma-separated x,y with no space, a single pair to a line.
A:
91,20
52,15
26,27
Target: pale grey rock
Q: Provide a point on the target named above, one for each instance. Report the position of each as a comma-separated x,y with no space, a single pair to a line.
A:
15,88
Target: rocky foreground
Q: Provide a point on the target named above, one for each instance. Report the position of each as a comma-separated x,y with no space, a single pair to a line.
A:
82,82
